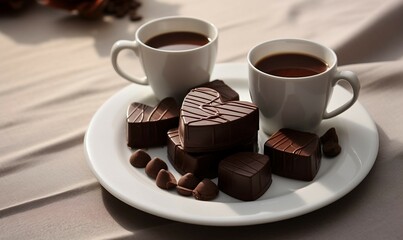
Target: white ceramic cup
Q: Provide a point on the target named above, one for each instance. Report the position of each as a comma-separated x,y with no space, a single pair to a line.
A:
296,102
170,73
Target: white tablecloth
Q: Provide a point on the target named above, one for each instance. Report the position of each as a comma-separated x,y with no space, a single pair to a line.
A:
55,72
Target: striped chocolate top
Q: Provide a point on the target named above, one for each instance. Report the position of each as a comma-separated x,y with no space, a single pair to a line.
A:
245,163
203,106
296,142
138,112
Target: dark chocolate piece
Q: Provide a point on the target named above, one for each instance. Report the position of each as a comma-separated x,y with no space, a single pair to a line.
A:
139,159
294,154
225,91
165,179
330,143
203,165
186,184
206,190
330,136
147,126
331,149
207,124
245,175
154,166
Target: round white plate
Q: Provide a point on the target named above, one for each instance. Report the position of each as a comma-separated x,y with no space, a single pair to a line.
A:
108,157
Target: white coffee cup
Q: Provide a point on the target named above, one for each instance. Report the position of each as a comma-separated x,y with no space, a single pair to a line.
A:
170,73
296,102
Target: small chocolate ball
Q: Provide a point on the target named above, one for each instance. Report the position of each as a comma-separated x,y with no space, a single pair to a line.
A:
154,166
139,159
206,190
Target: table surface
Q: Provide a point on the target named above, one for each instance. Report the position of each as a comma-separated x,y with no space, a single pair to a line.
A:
55,73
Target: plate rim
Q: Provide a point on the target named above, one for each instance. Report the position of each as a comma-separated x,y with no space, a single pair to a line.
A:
240,220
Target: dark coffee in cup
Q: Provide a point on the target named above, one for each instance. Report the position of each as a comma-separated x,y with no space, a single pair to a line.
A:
178,41
291,65
190,61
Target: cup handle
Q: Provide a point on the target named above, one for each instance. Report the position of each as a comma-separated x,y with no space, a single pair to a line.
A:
116,48
352,79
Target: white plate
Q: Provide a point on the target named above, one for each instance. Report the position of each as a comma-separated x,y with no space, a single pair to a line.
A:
108,157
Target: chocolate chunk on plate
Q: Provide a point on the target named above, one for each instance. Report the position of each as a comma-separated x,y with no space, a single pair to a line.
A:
330,143
207,123
226,92
147,126
139,158
186,184
245,175
294,154
165,179
204,164
154,166
206,190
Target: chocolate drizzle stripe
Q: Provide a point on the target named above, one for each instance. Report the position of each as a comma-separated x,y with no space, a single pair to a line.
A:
215,109
280,141
161,105
225,107
154,111
247,163
174,134
191,114
206,91
200,98
140,115
304,146
238,167
197,104
133,110
284,139
241,107
199,117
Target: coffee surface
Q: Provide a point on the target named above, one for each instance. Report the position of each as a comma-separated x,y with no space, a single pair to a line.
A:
177,41
291,65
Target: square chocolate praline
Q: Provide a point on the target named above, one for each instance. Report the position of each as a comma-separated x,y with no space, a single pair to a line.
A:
245,175
294,154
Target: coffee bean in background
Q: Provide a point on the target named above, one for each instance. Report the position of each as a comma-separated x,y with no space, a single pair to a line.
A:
89,9
14,6
121,8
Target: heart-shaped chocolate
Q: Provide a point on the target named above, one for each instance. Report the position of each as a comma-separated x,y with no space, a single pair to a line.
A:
207,123
147,126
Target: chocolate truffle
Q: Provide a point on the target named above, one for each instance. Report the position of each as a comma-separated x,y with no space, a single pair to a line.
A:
294,154
154,166
186,184
330,143
245,175
206,190
147,126
165,179
202,165
207,123
139,158
331,149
